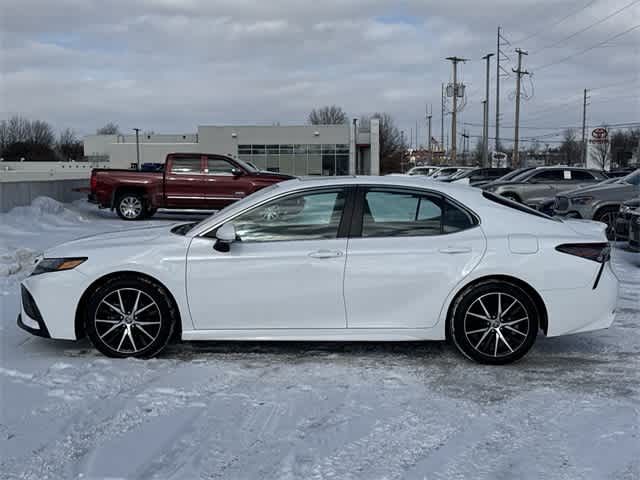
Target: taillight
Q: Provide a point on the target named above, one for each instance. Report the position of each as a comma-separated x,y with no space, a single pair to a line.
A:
598,252
93,183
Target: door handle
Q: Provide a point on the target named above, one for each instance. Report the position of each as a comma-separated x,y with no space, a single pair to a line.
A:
326,254
455,250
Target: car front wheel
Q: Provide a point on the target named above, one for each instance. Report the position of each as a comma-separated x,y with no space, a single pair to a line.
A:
130,316
494,322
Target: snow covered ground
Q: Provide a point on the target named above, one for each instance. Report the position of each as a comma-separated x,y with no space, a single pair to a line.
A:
570,410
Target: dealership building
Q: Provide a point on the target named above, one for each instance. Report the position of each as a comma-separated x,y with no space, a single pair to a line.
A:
297,150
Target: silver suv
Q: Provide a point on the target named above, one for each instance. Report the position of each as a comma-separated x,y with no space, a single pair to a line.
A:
599,202
539,186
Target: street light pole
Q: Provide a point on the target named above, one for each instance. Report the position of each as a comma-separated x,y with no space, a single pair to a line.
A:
137,130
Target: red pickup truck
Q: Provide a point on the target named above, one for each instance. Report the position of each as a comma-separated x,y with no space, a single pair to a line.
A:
188,181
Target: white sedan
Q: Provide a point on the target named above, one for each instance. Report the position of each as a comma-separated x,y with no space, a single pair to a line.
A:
351,258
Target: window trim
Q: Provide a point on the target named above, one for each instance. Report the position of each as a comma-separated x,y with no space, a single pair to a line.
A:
358,210
343,226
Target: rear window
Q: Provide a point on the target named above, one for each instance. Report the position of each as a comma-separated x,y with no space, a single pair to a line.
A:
516,206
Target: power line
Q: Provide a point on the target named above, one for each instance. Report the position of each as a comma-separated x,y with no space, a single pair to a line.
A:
627,82
546,65
532,127
539,32
582,30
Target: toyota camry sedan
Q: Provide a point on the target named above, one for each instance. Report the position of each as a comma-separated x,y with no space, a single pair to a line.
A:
346,258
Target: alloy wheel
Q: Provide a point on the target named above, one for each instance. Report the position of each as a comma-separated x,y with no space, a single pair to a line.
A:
496,324
127,320
130,207
609,218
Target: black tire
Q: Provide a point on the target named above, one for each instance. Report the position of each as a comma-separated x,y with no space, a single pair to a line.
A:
498,340
608,216
150,212
131,206
143,335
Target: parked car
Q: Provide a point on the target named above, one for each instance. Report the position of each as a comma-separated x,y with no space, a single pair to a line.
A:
512,175
537,186
448,172
480,176
187,181
599,202
624,218
423,170
365,259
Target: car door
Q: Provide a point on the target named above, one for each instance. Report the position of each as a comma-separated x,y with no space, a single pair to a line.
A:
184,186
285,270
407,252
542,185
225,182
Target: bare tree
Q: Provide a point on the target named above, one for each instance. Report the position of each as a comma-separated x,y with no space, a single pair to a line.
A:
69,145
109,129
40,133
392,145
329,115
569,147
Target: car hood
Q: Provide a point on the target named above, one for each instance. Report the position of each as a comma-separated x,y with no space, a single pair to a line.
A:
272,175
130,240
595,189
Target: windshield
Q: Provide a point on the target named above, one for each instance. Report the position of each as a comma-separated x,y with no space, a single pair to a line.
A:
248,166
633,178
511,175
234,205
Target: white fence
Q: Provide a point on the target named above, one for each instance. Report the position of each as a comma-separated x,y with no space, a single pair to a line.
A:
47,171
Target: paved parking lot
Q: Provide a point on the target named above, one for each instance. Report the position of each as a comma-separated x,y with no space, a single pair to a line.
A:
569,410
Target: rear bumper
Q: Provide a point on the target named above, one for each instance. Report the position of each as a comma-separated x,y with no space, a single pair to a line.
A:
583,309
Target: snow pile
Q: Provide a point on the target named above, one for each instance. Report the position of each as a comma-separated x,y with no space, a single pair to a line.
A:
14,260
41,214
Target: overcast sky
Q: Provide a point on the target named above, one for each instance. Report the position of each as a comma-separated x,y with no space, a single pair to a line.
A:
170,65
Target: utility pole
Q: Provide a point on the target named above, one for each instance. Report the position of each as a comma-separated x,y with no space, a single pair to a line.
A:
442,121
485,134
429,115
584,128
499,55
417,144
519,73
485,131
137,130
454,61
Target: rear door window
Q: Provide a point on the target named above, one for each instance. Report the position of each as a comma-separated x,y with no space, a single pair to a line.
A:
185,165
582,175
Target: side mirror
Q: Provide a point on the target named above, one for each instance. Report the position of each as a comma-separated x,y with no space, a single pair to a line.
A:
225,236
236,172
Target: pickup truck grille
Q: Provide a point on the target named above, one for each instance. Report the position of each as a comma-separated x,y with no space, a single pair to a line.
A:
562,203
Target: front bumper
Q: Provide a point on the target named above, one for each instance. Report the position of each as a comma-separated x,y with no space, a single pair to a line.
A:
55,297
30,318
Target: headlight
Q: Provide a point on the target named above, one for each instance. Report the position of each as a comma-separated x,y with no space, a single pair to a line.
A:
57,264
581,200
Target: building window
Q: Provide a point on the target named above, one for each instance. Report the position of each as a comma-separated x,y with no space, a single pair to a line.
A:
298,159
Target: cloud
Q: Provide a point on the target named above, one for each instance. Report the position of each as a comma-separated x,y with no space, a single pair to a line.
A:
169,65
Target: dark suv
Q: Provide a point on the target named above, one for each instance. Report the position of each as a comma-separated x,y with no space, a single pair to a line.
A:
539,186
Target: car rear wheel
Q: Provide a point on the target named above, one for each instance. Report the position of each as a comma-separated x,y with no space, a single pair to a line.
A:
494,322
130,316
131,206
608,216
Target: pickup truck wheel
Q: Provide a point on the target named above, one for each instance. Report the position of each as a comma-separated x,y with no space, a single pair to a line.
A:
130,206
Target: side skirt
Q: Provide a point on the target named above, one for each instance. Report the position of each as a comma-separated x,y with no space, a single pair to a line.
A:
321,334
